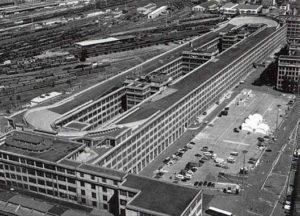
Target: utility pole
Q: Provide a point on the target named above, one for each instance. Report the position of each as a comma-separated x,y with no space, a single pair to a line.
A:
243,181
276,129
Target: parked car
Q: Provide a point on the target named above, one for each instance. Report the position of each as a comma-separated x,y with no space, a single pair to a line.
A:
198,155
208,154
194,169
233,153
188,176
179,176
200,184
205,148
196,183
202,161
204,183
166,160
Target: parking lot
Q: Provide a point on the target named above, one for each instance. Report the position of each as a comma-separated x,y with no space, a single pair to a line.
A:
221,140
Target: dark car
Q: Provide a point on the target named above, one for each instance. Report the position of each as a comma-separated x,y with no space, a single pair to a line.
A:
204,183
209,184
202,161
236,130
268,150
200,184
196,183
205,148
251,162
198,155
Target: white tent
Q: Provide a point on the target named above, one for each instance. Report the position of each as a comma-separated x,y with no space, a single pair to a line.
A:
254,123
262,128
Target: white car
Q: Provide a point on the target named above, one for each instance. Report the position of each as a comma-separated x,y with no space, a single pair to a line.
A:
179,176
214,156
287,207
188,176
171,162
208,154
190,172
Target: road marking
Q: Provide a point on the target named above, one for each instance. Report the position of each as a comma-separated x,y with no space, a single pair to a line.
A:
236,143
274,164
252,212
276,203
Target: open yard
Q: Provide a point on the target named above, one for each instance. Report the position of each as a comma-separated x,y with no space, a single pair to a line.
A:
219,136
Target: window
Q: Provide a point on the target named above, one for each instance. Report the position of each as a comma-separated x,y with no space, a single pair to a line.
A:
104,198
41,182
104,189
123,193
39,164
82,184
33,188
32,180
71,172
94,195
60,169
42,190
72,189
83,200
81,175
39,173
92,177
49,184
93,186
105,206
61,178
83,192
24,178
123,202
63,187
72,181
104,180
94,203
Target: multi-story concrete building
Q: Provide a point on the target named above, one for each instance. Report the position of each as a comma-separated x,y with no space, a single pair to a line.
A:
107,141
40,164
288,73
293,26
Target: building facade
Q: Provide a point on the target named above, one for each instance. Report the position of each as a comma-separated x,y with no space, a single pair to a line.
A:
164,127
288,73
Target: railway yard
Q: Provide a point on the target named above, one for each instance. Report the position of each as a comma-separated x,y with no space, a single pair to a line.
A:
25,37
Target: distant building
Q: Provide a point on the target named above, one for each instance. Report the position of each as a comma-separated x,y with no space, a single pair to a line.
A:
268,2
229,9
157,12
232,9
146,9
288,72
248,9
293,26
206,6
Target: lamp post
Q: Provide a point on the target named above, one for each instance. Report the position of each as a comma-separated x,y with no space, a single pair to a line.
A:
243,182
278,106
244,154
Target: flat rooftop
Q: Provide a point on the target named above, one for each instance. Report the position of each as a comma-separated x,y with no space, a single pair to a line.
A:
38,146
99,91
196,78
12,203
165,193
